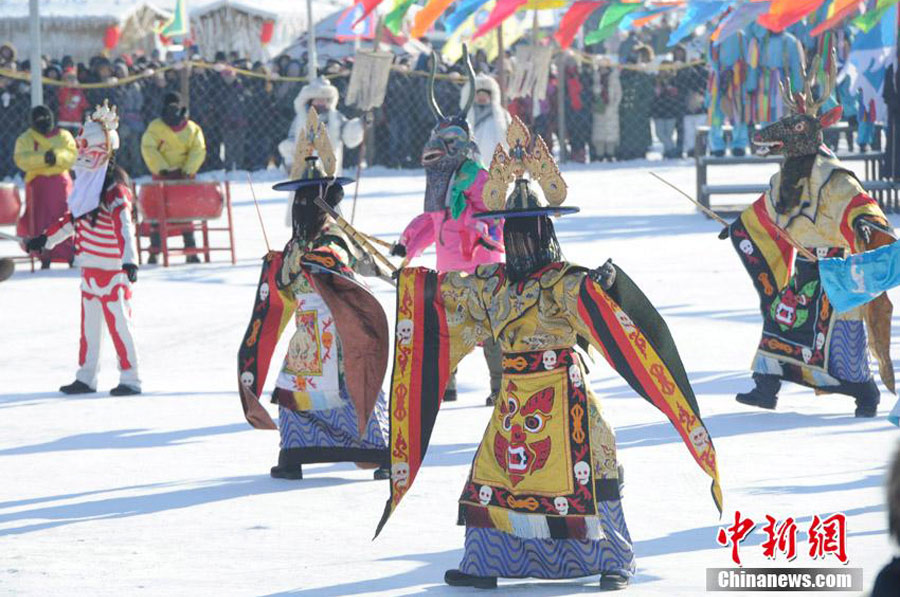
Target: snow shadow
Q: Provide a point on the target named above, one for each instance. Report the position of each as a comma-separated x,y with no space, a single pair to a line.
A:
208,491
875,478
734,424
430,573
703,383
32,398
124,439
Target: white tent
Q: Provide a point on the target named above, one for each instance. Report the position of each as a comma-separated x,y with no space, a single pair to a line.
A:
78,27
237,25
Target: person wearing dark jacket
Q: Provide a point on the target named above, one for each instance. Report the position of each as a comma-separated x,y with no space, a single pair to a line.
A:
667,109
887,584
634,110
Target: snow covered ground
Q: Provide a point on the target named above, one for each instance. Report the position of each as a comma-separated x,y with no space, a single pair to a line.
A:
168,493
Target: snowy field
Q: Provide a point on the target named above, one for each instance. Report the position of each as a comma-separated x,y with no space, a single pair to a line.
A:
168,493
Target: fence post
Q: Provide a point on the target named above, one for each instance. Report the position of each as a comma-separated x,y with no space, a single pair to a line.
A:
561,106
501,73
34,30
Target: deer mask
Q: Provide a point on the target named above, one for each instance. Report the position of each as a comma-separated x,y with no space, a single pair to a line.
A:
800,132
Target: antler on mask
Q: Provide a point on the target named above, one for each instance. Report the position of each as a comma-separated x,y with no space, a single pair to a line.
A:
804,102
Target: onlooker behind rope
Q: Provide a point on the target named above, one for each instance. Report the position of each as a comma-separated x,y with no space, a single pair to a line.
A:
71,101
174,149
487,119
46,153
887,584
323,96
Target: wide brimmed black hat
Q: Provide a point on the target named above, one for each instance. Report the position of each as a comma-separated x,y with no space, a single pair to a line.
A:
320,181
524,203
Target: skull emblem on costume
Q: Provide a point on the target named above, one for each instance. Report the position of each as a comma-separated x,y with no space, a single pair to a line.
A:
820,341
746,247
699,438
549,359
246,379
582,472
405,331
575,376
400,474
264,291
807,354
485,494
625,321
561,504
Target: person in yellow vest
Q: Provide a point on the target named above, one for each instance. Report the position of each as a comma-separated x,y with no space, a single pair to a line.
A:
173,148
45,153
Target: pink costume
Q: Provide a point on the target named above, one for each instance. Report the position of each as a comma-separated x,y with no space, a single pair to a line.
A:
463,243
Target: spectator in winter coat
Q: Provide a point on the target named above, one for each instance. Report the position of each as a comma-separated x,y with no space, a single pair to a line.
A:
605,126
887,584
235,106
488,120
130,103
261,143
667,110
13,115
174,149
342,131
634,110
691,84
46,153
72,102
578,112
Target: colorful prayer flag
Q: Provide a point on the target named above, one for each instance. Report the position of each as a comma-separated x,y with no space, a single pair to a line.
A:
784,13
572,21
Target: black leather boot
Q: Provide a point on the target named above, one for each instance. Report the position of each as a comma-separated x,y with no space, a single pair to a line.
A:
455,578
77,387
867,398
612,581
764,395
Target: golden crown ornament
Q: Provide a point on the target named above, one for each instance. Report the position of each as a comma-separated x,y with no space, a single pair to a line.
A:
525,155
311,141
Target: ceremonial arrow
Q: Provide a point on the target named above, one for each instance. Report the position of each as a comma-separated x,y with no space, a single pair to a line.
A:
356,236
781,231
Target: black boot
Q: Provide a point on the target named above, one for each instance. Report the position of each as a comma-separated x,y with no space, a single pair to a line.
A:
293,473
189,243
492,399
867,399
77,387
738,152
455,578
123,390
613,581
764,395
449,396
381,473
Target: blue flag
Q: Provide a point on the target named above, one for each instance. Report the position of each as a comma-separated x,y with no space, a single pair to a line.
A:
464,10
699,12
857,279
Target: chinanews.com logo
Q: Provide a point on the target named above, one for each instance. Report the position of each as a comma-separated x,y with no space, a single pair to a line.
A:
826,541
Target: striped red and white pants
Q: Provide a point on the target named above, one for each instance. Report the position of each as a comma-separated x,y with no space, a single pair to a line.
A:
105,302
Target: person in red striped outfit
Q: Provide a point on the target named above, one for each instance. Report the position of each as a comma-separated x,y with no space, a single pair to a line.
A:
99,217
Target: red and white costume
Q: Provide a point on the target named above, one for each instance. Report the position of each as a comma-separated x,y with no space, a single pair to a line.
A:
103,242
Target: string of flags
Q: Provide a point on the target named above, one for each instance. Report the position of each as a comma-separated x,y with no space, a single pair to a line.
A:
725,17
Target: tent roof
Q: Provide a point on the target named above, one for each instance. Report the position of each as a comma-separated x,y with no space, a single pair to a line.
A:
269,9
105,10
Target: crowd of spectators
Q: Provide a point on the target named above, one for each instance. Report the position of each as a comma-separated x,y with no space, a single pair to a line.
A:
609,111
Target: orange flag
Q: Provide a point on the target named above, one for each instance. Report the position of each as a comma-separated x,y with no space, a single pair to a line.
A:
784,13
426,17
502,11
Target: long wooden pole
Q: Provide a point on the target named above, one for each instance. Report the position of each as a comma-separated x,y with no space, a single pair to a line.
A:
787,236
356,236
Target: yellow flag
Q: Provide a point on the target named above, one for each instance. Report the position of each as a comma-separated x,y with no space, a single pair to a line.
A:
513,29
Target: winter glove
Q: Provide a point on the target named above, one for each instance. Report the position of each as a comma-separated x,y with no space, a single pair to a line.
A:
131,270
605,275
398,250
50,158
36,243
